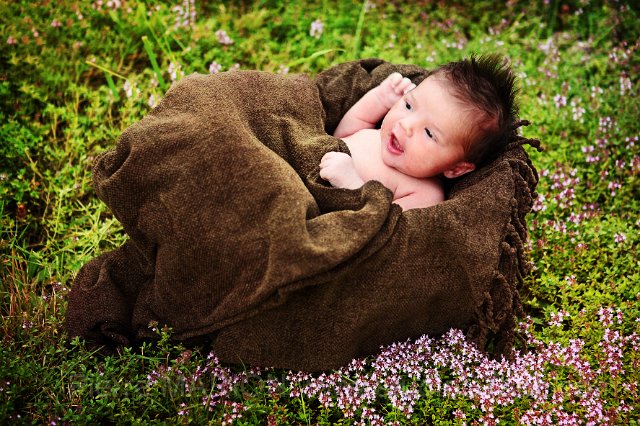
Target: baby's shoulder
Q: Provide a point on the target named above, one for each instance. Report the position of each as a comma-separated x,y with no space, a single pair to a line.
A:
429,190
363,134
362,142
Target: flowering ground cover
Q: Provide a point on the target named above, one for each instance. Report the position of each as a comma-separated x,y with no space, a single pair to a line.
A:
74,75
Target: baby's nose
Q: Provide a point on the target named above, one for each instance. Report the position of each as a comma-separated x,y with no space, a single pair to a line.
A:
406,128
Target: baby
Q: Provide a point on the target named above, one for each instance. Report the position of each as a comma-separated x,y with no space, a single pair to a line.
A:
458,117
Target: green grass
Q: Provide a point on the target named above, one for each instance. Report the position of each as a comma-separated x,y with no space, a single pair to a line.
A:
63,100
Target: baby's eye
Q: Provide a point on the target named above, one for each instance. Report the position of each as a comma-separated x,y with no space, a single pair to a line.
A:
407,106
428,132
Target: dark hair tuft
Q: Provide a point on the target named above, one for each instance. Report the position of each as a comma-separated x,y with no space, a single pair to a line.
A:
487,85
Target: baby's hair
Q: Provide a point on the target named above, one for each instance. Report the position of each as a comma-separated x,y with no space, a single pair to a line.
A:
486,85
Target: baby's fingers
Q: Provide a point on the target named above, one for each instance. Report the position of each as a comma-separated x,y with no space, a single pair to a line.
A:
395,78
329,157
331,161
404,86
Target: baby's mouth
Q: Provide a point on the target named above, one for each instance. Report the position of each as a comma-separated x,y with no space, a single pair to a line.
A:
394,146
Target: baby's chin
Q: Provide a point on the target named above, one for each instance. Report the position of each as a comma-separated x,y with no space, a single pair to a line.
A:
392,164
398,166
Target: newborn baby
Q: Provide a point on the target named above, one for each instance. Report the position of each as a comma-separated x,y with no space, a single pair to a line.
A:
459,116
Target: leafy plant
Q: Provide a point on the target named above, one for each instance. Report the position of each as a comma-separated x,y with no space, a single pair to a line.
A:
74,75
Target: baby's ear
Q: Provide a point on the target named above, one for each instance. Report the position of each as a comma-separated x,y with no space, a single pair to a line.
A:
459,169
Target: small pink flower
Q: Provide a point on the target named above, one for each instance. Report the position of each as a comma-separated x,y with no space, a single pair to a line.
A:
557,318
55,23
11,40
317,27
183,409
459,414
283,69
128,88
214,67
560,101
606,316
625,84
223,37
175,71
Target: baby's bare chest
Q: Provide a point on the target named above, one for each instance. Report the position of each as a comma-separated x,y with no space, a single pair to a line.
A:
366,152
364,146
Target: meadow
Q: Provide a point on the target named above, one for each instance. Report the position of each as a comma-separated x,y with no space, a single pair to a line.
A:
74,75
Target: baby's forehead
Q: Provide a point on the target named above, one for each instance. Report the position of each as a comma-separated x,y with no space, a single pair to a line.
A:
436,75
435,91
440,78
447,94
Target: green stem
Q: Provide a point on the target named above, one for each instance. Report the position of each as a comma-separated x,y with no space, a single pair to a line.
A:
359,26
312,56
154,62
108,75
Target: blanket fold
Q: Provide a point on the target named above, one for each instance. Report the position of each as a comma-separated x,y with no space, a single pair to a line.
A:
235,237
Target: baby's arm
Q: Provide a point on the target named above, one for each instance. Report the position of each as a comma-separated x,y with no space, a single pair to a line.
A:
374,105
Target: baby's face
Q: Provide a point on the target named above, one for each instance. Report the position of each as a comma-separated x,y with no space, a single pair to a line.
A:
422,134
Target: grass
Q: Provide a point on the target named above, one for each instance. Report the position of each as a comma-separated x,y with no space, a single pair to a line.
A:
74,75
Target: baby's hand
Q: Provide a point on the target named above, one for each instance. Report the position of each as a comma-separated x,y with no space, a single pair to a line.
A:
392,89
338,169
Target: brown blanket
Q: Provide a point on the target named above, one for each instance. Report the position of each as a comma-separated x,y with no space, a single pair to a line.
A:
235,237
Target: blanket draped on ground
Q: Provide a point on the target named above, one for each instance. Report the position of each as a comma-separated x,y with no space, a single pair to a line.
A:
234,237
